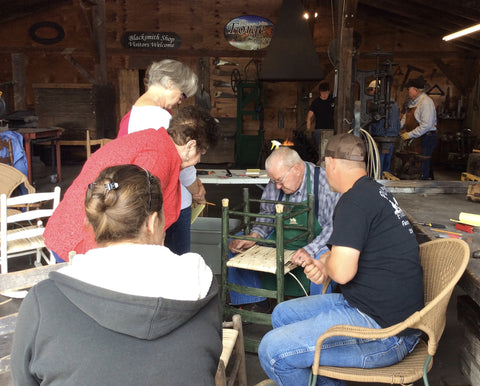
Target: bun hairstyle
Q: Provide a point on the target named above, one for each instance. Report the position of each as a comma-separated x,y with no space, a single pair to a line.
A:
118,203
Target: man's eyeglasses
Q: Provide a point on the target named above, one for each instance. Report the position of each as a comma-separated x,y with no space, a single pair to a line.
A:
282,180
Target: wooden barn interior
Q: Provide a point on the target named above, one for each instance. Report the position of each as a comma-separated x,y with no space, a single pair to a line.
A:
65,64
78,66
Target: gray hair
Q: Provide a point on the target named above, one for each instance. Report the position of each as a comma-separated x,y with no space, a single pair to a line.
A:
170,72
285,155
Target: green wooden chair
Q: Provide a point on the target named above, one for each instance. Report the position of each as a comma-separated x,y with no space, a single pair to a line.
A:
272,256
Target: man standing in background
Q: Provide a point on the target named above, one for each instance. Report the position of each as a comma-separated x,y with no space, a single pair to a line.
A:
420,121
322,110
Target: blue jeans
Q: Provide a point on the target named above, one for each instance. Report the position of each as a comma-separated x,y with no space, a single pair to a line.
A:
385,159
249,278
286,352
177,236
429,140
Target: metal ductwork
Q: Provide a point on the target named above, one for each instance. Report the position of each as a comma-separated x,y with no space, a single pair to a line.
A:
291,55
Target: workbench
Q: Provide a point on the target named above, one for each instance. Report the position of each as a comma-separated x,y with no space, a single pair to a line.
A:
439,208
238,177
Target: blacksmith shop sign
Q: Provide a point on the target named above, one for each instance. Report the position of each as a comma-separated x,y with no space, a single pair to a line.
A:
151,40
249,32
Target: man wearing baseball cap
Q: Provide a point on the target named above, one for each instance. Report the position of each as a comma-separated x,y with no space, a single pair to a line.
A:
373,257
420,120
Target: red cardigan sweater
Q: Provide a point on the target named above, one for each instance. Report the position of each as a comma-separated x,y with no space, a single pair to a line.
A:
66,229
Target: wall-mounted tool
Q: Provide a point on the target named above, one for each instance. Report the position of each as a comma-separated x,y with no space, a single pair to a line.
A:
407,74
439,91
221,83
221,62
221,94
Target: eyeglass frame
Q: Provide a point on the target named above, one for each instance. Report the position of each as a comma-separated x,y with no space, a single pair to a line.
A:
282,181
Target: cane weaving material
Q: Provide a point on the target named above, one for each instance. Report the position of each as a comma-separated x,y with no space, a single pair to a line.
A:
263,259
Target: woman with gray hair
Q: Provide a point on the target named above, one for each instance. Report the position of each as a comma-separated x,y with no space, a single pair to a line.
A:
168,82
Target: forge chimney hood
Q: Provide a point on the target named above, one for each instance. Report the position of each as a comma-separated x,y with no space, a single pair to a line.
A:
291,55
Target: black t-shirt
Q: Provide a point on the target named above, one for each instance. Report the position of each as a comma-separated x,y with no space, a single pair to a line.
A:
323,111
388,285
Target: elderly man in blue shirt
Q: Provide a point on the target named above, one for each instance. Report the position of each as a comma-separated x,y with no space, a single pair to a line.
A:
420,121
291,179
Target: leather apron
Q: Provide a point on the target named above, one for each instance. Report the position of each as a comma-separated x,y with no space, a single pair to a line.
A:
410,124
292,287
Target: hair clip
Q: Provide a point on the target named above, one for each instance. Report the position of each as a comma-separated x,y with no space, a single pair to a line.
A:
111,186
91,186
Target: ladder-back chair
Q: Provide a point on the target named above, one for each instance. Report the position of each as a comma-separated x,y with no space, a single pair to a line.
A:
21,233
270,257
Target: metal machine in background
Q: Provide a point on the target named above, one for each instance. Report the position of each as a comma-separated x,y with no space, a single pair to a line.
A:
377,106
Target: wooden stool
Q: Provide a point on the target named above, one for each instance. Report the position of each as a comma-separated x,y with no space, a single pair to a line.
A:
232,341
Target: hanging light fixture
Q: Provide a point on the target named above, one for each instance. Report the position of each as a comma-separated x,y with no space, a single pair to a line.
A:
463,32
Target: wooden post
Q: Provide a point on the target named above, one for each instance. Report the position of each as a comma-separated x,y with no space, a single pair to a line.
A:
18,78
279,252
99,33
224,252
344,108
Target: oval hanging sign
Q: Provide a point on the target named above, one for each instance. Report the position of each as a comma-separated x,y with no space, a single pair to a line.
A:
249,32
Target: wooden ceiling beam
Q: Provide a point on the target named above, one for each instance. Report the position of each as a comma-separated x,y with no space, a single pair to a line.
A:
456,8
373,13
419,14
13,9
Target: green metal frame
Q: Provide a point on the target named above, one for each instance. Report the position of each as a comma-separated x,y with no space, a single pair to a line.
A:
248,147
248,219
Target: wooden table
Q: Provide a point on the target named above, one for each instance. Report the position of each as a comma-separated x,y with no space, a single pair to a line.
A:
37,135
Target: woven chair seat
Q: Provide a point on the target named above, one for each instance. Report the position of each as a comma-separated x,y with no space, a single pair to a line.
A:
406,371
32,243
263,259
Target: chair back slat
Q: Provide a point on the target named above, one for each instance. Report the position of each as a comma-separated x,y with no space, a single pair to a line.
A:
24,237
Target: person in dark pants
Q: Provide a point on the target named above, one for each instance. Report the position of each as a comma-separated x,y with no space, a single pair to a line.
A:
322,110
420,121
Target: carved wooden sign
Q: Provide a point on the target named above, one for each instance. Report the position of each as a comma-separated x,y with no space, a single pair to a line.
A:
249,32
151,40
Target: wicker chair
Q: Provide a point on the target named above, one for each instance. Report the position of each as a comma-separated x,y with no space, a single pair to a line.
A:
443,262
11,179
